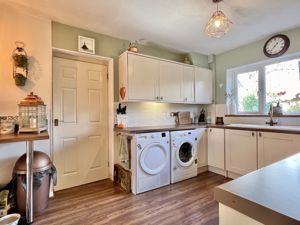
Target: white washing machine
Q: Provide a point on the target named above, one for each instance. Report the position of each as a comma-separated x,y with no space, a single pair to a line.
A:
151,161
183,155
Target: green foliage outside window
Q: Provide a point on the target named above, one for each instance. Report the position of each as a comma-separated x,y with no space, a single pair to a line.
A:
250,103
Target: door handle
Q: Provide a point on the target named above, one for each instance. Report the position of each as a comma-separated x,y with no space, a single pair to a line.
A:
56,121
253,134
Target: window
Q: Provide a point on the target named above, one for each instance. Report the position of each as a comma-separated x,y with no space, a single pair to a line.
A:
247,92
251,89
283,78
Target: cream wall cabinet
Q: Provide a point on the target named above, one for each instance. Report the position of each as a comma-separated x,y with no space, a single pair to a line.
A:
147,78
203,86
240,151
216,148
188,84
143,78
170,82
273,147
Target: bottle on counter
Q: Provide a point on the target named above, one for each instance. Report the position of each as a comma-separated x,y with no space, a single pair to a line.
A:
208,118
202,116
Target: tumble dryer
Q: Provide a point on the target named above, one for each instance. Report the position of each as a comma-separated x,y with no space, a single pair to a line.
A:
150,161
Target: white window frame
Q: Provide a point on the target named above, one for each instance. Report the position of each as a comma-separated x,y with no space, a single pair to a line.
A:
231,81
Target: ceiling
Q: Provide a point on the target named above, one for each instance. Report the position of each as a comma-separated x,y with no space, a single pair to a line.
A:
173,24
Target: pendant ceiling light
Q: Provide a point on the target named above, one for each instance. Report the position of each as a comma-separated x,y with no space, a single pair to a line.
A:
219,24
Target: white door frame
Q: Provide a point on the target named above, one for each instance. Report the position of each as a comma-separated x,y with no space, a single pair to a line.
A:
73,55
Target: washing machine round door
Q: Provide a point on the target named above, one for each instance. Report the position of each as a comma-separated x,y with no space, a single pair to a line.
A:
185,153
154,158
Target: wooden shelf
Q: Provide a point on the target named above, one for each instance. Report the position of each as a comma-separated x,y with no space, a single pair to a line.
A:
10,138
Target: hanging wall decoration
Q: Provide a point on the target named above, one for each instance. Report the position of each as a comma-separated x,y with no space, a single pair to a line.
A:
20,64
86,45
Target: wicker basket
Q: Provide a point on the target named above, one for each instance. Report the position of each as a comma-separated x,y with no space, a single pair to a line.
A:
122,178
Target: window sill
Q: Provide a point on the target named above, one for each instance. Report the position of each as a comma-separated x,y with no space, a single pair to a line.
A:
260,115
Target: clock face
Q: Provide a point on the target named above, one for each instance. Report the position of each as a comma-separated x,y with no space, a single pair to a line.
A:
276,45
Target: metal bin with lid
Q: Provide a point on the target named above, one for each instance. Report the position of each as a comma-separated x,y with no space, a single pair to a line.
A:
43,169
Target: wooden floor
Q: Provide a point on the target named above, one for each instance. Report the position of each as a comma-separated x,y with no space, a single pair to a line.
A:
185,203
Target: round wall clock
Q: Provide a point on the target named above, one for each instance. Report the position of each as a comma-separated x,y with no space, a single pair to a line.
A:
276,45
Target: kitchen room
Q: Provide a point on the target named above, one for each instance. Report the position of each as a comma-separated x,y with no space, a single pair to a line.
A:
168,100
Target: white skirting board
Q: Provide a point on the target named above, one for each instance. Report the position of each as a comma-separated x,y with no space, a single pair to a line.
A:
217,171
202,169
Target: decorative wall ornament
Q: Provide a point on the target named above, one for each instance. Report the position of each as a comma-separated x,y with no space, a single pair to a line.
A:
86,45
133,46
20,64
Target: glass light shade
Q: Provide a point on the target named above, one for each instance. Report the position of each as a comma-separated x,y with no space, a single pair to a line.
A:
218,25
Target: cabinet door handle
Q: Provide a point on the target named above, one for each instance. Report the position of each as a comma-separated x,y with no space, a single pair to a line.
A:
252,134
210,130
161,98
259,134
157,97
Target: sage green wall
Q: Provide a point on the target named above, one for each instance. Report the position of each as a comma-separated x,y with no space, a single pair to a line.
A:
65,37
198,59
244,55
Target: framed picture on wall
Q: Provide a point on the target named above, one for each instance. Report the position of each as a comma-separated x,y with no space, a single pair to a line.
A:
86,45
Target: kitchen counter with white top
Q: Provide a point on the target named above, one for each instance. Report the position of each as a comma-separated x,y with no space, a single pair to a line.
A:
270,195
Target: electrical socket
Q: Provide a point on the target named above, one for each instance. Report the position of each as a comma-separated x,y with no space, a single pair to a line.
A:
172,114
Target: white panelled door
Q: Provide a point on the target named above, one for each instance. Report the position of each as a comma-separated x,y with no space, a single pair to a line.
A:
80,140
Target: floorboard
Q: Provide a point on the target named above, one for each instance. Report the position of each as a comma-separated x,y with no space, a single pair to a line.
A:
189,202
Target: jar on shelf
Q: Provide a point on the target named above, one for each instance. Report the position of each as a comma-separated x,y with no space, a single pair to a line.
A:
32,114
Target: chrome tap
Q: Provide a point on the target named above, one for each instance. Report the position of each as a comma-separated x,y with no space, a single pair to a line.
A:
271,121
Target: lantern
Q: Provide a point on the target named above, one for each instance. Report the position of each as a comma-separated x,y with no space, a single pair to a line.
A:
32,114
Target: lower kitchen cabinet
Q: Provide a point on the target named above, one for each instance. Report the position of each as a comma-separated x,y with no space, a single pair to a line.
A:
240,151
202,147
216,148
273,147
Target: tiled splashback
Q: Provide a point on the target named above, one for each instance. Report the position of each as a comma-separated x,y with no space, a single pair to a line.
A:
156,114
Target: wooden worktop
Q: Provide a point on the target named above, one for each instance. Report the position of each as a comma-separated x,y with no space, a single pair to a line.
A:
270,195
147,129
9,138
